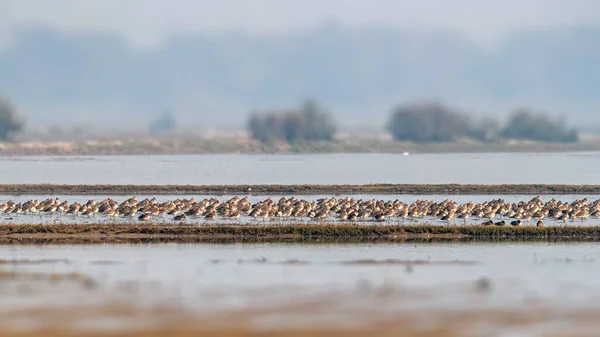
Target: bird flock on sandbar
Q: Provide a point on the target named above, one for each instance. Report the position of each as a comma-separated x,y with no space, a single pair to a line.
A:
344,209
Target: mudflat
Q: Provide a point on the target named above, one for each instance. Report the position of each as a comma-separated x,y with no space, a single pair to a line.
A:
303,189
181,232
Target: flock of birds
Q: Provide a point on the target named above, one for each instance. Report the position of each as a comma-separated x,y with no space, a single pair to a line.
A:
346,209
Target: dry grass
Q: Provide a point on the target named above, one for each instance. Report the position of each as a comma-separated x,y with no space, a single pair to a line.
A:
287,231
132,240
443,189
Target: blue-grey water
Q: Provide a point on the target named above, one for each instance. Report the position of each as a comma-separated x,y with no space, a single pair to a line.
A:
562,274
485,168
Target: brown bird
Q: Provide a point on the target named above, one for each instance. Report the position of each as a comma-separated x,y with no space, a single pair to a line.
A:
540,223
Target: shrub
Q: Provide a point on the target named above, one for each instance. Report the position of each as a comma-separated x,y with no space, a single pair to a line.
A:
487,130
165,123
309,122
428,122
10,123
526,124
434,122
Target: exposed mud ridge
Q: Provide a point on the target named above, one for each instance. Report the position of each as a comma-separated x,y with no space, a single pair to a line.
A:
353,262
99,232
304,318
38,240
189,145
32,262
75,277
444,189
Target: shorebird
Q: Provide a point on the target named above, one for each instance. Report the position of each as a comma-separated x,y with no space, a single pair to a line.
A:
179,217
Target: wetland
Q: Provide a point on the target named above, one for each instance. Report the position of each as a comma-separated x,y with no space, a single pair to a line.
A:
305,275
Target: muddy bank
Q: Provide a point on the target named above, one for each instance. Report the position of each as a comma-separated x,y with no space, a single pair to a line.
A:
306,318
182,145
91,239
159,232
444,189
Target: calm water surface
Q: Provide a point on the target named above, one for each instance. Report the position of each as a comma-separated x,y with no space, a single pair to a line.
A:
565,273
207,278
498,168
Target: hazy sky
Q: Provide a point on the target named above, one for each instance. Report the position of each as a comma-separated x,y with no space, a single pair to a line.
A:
147,21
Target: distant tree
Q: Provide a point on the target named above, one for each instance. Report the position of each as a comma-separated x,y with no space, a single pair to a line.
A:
10,123
434,122
165,123
428,122
319,123
526,124
487,130
308,122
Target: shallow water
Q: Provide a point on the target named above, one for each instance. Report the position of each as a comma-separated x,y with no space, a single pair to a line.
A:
460,199
562,274
488,168
547,288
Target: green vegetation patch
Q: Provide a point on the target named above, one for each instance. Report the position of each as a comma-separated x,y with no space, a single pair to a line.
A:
300,230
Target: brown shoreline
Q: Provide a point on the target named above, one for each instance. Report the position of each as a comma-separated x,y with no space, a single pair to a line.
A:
192,145
171,320
160,233
304,189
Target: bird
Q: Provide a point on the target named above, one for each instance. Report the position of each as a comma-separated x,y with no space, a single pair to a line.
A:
500,223
380,217
516,222
487,223
540,223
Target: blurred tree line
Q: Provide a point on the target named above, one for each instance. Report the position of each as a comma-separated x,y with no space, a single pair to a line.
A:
423,122
416,122
434,122
308,122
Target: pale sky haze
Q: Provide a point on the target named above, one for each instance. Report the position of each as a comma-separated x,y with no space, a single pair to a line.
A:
551,70
148,21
